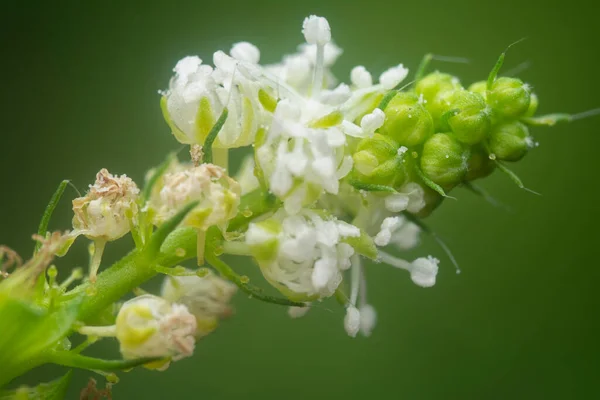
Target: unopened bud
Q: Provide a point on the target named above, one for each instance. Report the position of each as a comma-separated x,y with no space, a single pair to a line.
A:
509,97
407,121
470,117
444,159
434,88
378,161
479,87
480,164
510,141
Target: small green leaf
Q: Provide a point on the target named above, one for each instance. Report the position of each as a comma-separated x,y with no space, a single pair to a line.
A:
43,227
54,390
166,228
74,360
158,172
514,177
212,136
431,183
494,73
372,187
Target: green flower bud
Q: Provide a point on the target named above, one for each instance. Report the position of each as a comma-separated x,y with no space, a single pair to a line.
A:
436,83
509,97
379,161
434,88
480,164
444,160
407,121
510,141
471,122
479,87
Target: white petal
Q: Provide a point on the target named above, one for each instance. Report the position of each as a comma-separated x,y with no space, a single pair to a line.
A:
360,77
245,51
368,319
392,77
396,202
373,121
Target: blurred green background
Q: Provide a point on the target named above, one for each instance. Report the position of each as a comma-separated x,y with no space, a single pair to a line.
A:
80,83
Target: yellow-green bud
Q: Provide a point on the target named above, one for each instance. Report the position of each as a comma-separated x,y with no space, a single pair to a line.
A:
407,121
444,160
470,120
378,160
434,88
509,97
479,87
480,164
510,141
436,83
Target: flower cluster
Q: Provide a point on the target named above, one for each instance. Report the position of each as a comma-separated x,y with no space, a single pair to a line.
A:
339,172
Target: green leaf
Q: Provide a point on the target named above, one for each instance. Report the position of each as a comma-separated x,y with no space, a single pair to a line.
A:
514,177
28,331
43,227
54,390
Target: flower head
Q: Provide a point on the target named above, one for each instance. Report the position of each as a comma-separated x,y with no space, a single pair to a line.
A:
302,255
218,194
105,211
149,326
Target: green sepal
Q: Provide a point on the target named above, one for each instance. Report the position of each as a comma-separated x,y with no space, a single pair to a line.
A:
514,177
363,245
43,227
431,184
178,133
212,136
166,228
548,120
53,390
367,187
74,360
386,99
494,72
156,175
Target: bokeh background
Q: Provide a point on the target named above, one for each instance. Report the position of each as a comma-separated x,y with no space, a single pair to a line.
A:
80,83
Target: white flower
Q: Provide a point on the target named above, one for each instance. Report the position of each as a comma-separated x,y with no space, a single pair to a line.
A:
104,212
218,196
316,30
300,161
198,93
302,255
399,231
388,226
352,321
149,326
207,298
423,271
368,319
